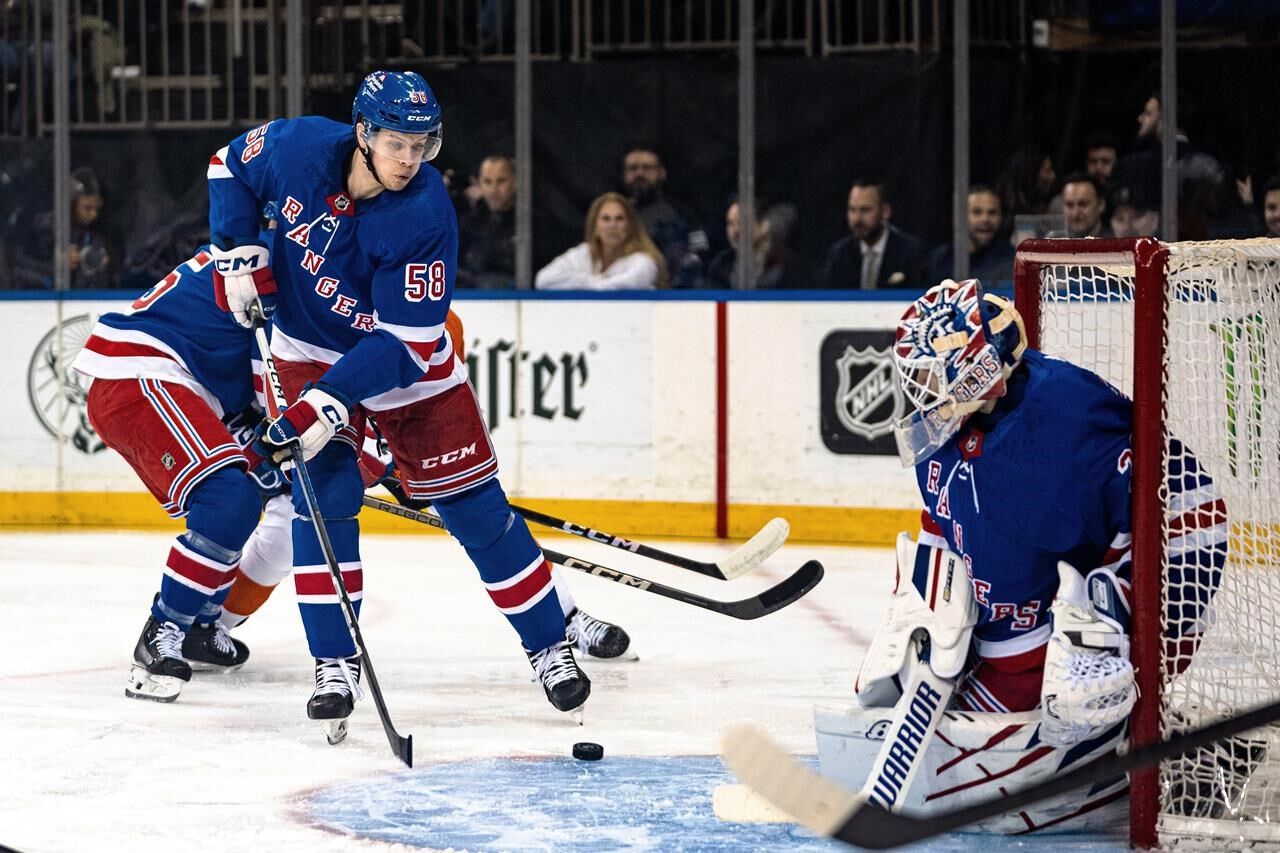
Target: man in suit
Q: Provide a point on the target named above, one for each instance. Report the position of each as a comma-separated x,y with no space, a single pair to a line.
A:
875,255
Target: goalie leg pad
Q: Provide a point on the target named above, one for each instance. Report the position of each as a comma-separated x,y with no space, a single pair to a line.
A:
931,593
1088,680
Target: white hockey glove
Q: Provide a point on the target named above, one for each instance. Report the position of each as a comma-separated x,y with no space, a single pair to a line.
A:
1088,680
949,624
241,277
310,422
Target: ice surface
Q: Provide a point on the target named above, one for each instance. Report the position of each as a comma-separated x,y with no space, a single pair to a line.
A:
235,765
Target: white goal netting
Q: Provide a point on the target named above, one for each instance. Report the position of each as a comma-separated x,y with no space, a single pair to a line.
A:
1221,542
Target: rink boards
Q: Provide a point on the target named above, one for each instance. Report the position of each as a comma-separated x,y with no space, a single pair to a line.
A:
641,415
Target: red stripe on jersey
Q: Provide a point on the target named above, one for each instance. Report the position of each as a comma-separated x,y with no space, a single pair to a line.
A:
522,592
424,349
928,525
215,160
321,583
102,346
196,572
1205,515
1021,662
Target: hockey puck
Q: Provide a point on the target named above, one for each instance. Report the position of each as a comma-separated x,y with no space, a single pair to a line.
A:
588,751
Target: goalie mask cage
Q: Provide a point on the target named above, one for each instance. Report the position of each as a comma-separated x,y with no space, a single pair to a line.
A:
1191,331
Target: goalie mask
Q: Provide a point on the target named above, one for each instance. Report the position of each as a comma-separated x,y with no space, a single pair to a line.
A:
955,347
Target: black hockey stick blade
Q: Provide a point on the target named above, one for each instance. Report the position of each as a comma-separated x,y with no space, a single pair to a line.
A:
829,808
745,557
776,597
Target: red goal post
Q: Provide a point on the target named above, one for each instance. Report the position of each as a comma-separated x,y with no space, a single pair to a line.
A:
1191,331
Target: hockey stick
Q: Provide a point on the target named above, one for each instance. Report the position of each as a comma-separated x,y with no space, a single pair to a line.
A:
746,557
774,598
829,808
401,746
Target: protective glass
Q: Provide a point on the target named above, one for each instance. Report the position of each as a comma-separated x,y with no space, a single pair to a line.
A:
402,146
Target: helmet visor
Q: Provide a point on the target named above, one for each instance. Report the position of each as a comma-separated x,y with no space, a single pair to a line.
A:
402,146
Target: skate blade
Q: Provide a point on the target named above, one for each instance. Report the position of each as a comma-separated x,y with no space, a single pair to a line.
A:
202,666
335,731
576,714
626,657
154,688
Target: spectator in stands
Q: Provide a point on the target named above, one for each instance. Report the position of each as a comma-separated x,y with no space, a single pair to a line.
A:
775,266
1200,176
616,253
990,252
671,225
1101,151
876,254
1083,203
1133,213
93,253
486,234
1271,206
1026,185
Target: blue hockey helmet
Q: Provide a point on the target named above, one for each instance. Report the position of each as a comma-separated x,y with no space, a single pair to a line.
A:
954,349
400,101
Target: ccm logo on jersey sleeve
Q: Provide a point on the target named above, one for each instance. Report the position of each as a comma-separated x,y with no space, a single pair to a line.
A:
424,280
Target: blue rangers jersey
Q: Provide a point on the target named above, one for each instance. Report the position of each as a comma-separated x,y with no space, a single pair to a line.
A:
176,332
364,285
1046,477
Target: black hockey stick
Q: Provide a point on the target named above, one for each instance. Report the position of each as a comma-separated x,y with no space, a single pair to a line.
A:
776,597
746,557
401,746
829,808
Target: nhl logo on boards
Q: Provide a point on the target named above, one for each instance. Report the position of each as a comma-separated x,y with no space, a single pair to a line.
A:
58,394
860,397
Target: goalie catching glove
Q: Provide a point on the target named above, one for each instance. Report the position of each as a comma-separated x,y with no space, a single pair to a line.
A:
1088,682
242,277
310,422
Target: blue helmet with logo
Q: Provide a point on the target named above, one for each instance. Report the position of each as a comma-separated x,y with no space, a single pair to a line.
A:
400,101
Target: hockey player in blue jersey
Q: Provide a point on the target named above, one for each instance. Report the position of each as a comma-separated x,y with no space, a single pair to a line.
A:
1024,465
172,392
364,260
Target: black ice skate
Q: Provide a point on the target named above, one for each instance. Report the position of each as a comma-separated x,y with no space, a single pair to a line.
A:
337,689
595,637
158,668
567,686
210,647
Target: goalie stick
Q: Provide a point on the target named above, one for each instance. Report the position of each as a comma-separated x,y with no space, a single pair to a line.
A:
829,808
747,556
776,597
400,745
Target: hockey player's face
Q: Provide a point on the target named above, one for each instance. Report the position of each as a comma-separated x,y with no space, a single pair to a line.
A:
397,156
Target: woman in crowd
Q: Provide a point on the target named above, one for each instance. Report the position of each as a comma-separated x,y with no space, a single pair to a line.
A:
616,254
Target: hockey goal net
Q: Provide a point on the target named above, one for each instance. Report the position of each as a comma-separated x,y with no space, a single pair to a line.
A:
1191,331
